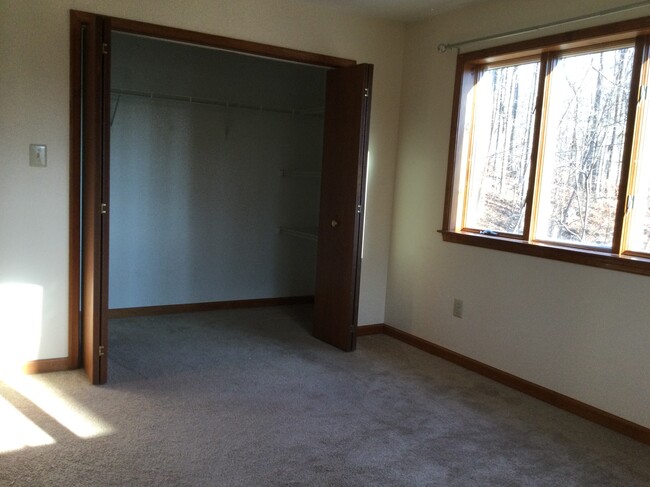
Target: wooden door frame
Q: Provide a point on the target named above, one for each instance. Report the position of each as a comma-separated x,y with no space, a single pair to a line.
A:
77,20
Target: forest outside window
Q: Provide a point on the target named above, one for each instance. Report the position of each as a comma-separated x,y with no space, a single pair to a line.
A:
549,153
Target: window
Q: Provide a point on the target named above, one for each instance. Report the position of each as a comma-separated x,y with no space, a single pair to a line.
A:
549,152
501,138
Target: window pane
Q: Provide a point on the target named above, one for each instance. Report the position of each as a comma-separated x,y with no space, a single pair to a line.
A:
583,145
639,229
502,139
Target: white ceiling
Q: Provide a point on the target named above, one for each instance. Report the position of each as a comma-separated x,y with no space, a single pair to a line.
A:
403,10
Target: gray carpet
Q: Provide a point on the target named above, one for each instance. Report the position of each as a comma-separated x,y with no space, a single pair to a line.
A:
249,398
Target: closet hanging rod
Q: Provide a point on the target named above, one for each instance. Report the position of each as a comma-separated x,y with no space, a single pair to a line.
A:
444,47
304,233
317,112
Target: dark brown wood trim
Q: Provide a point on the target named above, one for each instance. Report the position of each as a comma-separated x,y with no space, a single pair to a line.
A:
590,413
227,43
49,365
623,263
618,31
365,330
211,306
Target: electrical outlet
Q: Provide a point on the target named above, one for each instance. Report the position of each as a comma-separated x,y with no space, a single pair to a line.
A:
458,308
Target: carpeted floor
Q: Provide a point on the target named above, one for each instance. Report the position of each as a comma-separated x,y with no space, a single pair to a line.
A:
249,398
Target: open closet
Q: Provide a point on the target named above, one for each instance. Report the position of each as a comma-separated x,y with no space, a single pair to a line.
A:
215,174
211,169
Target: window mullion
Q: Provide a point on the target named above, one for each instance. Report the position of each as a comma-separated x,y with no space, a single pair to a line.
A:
547,62
626,185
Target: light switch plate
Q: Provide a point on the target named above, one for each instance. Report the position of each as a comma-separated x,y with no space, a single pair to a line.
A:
37,155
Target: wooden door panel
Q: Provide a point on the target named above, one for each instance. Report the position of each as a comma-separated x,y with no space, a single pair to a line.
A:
345,148
94,233
105,104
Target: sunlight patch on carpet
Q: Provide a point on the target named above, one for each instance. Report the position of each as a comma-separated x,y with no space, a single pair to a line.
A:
62,409
17,431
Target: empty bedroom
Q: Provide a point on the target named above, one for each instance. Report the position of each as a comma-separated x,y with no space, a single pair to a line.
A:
324,242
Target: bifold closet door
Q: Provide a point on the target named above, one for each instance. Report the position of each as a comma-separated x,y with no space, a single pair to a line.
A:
95,72
345,151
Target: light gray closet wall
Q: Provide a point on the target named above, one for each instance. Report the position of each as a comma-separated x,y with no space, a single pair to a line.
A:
198,193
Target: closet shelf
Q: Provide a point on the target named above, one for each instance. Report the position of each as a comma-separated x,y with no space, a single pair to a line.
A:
290,173
310,112
305,233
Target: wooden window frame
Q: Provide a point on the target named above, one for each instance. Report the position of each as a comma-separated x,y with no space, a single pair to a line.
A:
547,50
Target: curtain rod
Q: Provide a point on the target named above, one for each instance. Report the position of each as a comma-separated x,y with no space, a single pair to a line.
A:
444,47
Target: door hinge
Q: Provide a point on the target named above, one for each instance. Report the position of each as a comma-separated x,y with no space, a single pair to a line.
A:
104,48
366,92
104,209
100,351
359,209
630,202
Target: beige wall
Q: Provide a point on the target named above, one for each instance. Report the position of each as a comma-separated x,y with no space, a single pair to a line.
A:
578,330
34,52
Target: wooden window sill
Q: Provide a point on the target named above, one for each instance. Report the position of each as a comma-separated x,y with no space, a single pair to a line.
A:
604,259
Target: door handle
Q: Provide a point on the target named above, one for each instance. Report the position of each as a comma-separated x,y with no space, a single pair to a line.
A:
334,223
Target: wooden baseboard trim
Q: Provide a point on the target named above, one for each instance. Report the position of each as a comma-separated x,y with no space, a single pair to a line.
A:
197,307
48,365
590,413
365,330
